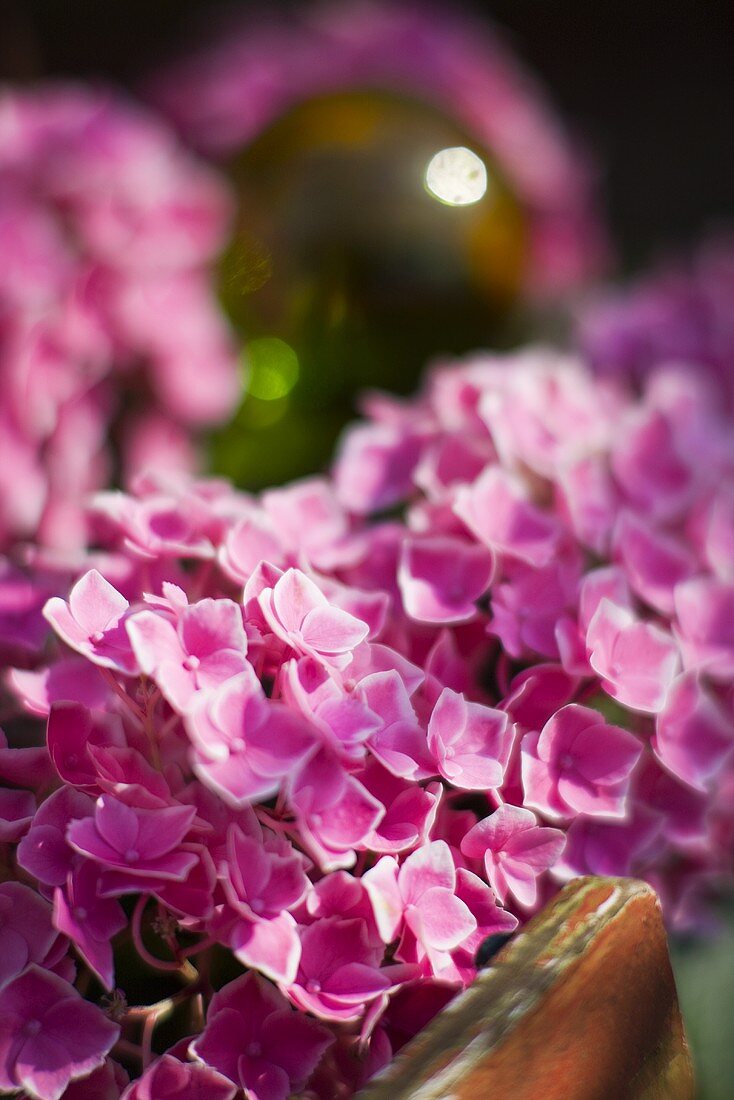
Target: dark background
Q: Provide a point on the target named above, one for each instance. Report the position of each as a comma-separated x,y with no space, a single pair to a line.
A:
648,83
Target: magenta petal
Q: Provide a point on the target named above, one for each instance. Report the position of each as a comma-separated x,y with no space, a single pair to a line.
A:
234,780
219,1044
116,823
522,882
211,625
538,848
42,1067
16,814
83,836
262,1080
160,831
294,595
355,983
605,754
271,946
15,955
294,1042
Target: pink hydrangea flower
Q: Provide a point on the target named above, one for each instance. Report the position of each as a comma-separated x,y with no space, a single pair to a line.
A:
677,313
72,729
339,971
515,850
169,1079
264,880
89,919
258,1042
300,615
104,1083
654,562
400,742
91,622
421,898
530,604
649,465
410,811
334,810
305,808
442,578
491,920
203,649
311,525
250,541
694,732
16,814
471,743
142,843
162,524
344,720
496,509
25,929
704,607
578,763
44,851
71,679
636,660
49,1036
244,745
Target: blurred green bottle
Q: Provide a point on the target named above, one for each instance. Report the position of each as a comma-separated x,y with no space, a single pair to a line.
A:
372,235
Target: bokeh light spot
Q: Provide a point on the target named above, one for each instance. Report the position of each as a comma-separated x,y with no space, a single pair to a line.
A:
271,367
456,176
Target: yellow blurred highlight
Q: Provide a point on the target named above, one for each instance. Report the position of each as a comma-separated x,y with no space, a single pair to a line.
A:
271,367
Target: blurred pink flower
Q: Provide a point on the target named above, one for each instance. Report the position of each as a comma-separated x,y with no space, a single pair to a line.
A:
106,226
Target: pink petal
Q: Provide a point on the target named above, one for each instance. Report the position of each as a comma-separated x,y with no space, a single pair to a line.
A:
272,947
154,640
95,603
211,625
294,595
431,866
116,823
381,882
329,630
444,919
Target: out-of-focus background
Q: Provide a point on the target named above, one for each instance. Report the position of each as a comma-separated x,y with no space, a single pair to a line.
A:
648,86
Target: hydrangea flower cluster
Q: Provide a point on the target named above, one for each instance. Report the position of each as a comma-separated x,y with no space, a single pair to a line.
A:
680,313
106,226
228,94
305,752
